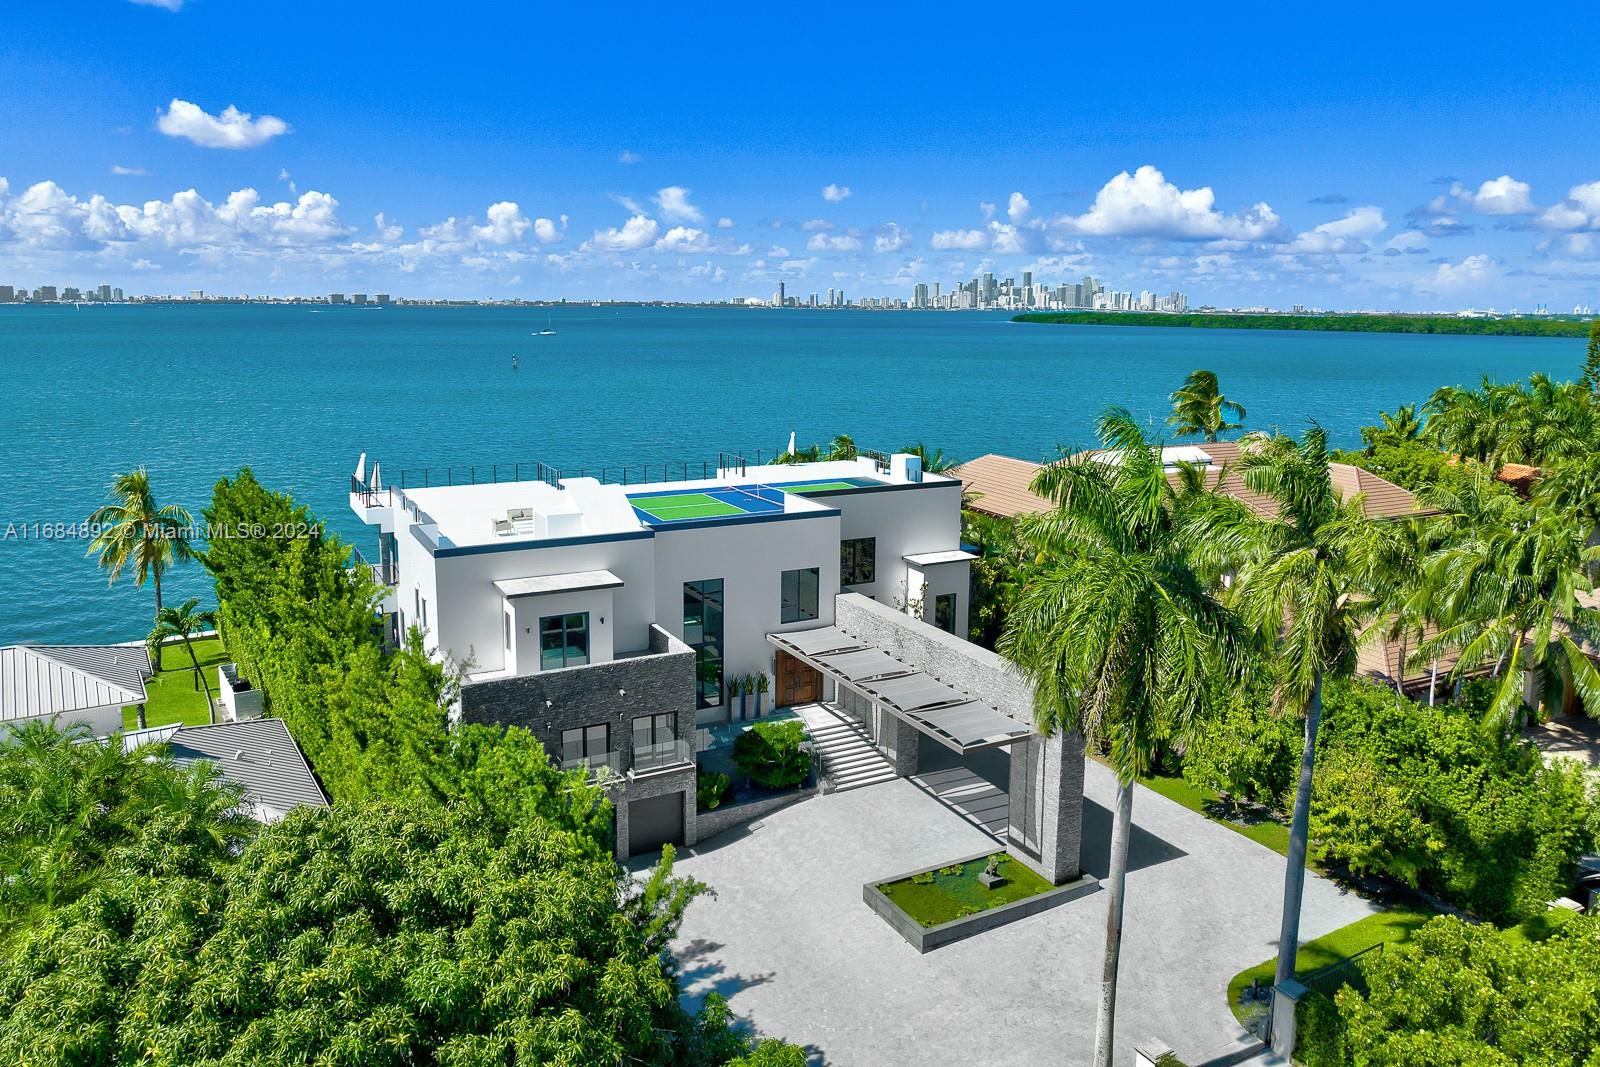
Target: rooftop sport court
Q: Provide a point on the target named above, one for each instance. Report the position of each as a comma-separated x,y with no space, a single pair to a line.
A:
724,502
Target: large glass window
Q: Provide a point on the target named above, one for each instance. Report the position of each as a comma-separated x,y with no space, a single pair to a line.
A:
702,631
800,589
563,641
658,729
944,612
858,561
585,744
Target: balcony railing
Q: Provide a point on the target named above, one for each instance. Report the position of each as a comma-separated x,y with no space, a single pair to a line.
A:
382,573
647,758
595,762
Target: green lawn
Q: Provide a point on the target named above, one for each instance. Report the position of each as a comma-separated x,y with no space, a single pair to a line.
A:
174,696
1264,831
954,891
1386,926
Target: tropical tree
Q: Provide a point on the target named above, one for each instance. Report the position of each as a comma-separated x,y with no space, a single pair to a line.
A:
184,622
935,462
1303,583
1118,633
1199,407
1516,597
1591,359
135,533
843,446
1395,429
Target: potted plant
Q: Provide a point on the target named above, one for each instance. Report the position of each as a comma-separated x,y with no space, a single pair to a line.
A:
747,689
761,691
733,695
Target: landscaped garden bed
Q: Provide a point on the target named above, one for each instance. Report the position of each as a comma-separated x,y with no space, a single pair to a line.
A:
938,905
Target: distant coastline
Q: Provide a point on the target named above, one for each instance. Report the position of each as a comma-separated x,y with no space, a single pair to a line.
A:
1509,327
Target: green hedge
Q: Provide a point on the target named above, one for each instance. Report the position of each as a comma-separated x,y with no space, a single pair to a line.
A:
770,754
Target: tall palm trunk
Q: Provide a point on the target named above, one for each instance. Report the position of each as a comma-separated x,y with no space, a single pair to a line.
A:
211,705
1115,884
1294,878
1433,680
155,572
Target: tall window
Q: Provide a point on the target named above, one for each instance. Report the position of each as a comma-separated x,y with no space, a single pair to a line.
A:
800,589
507,617
658,729
585,744
563,641
944,612
702,631
858,561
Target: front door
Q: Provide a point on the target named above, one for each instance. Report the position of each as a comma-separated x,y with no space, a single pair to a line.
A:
797,683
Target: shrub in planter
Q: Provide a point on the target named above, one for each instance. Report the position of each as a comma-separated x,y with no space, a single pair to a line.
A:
771,756
711,789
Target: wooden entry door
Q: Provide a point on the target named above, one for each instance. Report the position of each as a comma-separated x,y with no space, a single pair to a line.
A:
797,683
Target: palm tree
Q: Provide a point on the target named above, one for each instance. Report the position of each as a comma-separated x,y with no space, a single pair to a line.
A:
1514,596
1399,428
133,531
1200,407
1302,582
1591,359
184,622
843,446
935,462
1118,633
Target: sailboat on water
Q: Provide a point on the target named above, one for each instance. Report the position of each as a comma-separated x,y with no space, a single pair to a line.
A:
548,330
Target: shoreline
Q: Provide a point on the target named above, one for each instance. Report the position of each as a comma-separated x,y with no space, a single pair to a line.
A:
1415,324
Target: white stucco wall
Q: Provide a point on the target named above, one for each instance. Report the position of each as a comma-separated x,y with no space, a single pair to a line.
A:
905,520
528,610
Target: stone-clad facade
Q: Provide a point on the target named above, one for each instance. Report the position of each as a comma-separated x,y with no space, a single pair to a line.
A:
615,693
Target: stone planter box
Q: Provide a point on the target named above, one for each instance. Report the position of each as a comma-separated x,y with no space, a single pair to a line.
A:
927,938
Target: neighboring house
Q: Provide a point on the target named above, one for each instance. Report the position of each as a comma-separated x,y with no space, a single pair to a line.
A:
998,485
260,755
88,684
607,619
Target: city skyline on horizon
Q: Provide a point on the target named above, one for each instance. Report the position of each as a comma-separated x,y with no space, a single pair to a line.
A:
199,156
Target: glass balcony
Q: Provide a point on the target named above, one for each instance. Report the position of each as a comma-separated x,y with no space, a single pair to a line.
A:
594,761
648,758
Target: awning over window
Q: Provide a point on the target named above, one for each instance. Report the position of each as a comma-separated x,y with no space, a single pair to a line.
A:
953,718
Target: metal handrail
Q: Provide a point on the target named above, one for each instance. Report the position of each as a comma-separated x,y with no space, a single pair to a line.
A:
663,754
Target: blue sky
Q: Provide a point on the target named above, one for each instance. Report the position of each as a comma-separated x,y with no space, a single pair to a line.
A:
1250,155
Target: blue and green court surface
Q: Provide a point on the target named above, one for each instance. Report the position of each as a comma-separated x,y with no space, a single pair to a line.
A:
686,505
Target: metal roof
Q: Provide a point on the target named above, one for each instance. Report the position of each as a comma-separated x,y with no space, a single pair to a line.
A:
259,754
572,582
912,691
969,726
949,555
43,680
818,642
867,663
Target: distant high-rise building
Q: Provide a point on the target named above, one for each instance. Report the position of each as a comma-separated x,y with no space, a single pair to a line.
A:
780,298
358,298
8,294
44,294
335,298
1027,288
116,294
919,296
71,293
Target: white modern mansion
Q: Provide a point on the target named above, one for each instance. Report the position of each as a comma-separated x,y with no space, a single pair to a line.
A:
609,618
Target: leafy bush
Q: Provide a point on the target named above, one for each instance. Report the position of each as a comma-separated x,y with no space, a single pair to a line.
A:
711,789
1246,755
1469,994
770,754
1319,1029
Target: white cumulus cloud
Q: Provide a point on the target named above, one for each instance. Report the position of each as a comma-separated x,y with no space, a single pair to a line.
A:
826,242
891,237
126,172
684,239
834,193
1504,196
1346,235
724,223
674,204
1017,209
548,232
1470,272
231,129
1145,204
1580,210
959,240
507,224
638,232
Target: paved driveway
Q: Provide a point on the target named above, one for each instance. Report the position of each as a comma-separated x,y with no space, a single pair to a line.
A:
797,953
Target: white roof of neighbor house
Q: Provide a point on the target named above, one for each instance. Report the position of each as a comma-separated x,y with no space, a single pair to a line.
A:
933,559
573,582
43,680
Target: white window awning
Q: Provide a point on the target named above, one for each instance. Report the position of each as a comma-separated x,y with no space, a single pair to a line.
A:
544,584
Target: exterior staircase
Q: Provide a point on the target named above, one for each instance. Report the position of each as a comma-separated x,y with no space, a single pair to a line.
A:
849,758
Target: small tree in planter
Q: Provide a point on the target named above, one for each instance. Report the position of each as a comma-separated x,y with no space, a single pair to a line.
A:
761,691
736,696
748,690
773,754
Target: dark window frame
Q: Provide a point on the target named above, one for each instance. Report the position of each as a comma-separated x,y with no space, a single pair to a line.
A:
566,630
858,561
796,611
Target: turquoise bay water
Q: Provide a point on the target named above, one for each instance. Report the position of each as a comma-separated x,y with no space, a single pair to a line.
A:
195,392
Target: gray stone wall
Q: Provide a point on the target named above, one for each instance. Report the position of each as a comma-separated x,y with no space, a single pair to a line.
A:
614,693
625,789
975,670
713,822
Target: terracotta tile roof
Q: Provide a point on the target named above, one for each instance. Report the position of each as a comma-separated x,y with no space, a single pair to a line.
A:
999,485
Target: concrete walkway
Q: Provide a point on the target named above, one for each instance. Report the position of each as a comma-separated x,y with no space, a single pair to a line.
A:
1568,737
797,953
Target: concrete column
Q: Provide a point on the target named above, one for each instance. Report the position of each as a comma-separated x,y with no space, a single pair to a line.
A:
1060,804
904,739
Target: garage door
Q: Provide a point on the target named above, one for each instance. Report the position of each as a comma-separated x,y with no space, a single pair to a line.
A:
655,821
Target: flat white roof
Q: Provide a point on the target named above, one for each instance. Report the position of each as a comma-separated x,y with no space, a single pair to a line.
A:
933,559
573,582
